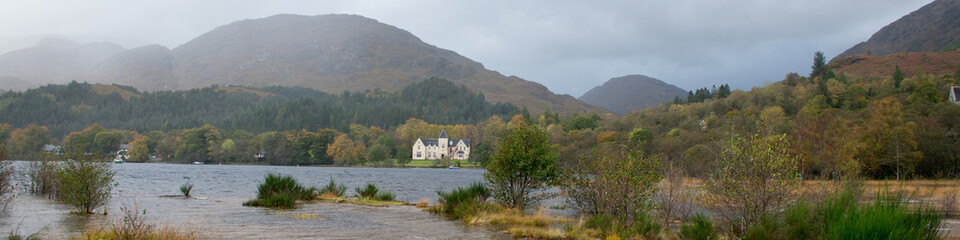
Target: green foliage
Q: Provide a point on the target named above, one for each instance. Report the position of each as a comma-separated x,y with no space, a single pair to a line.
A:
405,156
640,136
754,177
65,108
84,182
481,153
628,229
458,202
524,164
377,154
887,218
7,174
699,228
280,191
615,181
198,144
897,76
385,196
42,175
279,201
580,122
334,189
819,67
185,189
368,192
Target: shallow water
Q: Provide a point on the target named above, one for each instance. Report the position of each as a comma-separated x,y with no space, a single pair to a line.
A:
219,191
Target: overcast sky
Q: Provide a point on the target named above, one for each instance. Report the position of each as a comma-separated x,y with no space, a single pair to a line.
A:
569,46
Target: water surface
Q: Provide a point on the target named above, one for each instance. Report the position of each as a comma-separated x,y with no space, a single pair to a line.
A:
219,191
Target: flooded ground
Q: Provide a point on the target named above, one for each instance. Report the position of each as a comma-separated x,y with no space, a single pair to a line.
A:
219,192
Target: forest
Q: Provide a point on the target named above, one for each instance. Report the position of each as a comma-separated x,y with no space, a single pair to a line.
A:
74,106
885,127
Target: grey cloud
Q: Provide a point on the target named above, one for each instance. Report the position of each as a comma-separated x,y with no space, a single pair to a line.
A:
569,46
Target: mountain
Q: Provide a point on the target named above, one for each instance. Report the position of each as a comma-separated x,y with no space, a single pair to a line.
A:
331,53
936,63
55,61
631,92
934,27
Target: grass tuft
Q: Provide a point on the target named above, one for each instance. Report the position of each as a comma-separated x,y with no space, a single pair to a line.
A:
278,191
332,189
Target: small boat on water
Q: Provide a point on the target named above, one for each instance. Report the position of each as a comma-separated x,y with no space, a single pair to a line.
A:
452,167
118,159
197,163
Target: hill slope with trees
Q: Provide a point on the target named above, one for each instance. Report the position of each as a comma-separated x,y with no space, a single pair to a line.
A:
330,53
74,106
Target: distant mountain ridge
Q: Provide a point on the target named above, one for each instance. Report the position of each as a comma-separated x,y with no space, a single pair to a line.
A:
933,27
631,92
331,53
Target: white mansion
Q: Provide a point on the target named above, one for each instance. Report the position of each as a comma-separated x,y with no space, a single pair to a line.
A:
441,147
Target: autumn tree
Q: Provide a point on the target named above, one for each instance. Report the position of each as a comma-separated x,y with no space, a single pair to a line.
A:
84,140
139,152
889,144
616,180
198,144
28,140
344,151
753,178
522,167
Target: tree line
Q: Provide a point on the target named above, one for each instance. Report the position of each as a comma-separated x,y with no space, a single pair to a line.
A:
836,123
74,106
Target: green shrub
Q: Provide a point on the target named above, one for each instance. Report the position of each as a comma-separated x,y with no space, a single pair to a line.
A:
280,191
42,175
887,218
84,182
767,228
476,193
369,192
280,200
799,222
284,184
386,196
609,225
698,228
185,189
333,189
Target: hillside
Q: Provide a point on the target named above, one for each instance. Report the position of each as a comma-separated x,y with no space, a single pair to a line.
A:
71,107
936,63
632,92
54,61
331,53
934,27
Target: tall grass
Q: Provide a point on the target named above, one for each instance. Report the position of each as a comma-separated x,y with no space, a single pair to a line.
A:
333,189
699,228
371,192
186,188
887,218
280,191
460,201
368,192
840,217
